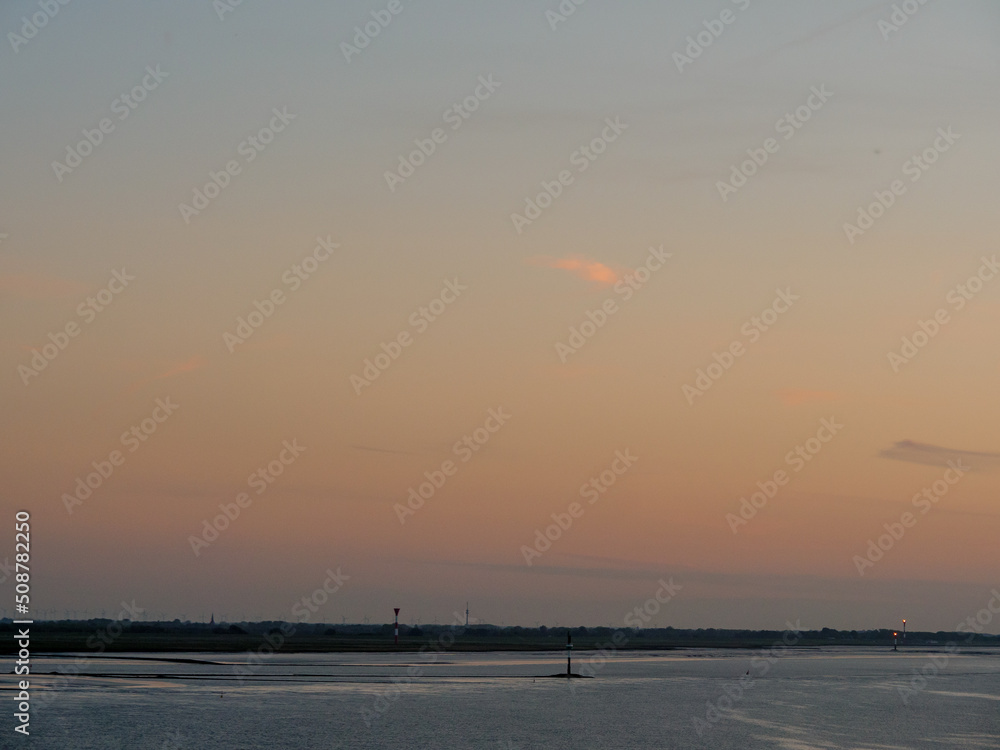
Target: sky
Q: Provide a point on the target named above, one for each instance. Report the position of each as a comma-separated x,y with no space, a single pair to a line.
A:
516,304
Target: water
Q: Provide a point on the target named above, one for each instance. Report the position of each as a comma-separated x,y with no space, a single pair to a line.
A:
822,698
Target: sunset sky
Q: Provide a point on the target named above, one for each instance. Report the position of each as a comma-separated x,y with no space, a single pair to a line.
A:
388,202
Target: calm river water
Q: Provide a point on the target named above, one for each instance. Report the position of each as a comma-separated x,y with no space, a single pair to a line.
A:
822,698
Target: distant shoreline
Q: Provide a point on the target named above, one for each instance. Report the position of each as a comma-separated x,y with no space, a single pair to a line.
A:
107,636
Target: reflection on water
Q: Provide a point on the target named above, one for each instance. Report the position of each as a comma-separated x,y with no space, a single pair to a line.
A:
827,699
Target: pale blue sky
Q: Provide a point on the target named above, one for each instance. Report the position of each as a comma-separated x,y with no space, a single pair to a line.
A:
657,184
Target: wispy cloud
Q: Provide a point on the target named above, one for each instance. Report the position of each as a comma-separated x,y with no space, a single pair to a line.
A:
796,396
820,31
558,570
699,582
589,270
935,455
190,365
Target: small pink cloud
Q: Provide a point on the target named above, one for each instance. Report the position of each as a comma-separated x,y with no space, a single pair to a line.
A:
189,365
796,396
589,270
194,363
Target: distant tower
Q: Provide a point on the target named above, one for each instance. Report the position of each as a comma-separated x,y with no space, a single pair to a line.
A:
396,610
212,621
466,614
569,655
